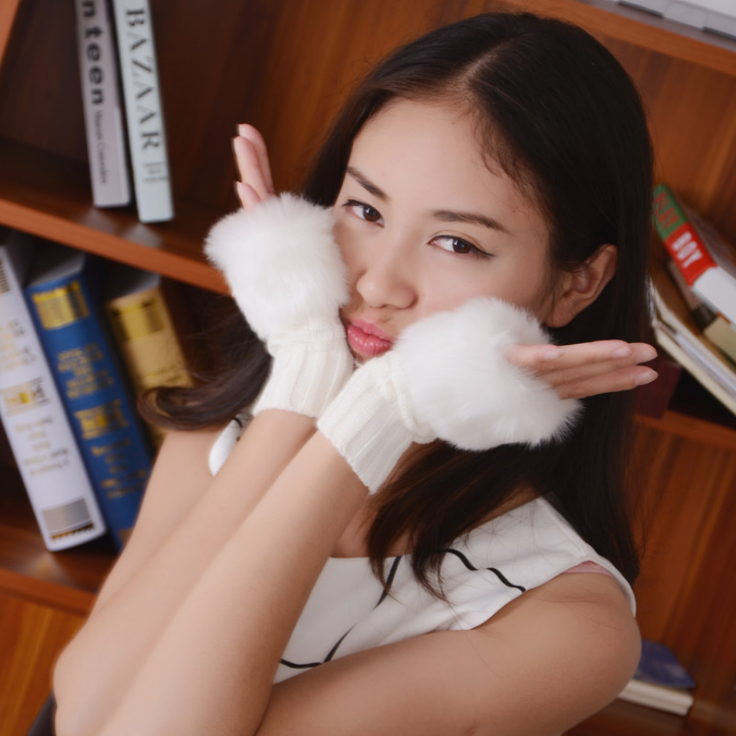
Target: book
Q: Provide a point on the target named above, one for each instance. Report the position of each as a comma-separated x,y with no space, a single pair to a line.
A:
143,110
714,326
103,106
63,293
660,681
705,259
677,333
653,399
717,16
33,416
143,327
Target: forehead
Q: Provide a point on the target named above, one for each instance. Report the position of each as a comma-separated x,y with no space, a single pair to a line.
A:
428,153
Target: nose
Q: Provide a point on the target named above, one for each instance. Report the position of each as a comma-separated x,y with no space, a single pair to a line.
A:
386,278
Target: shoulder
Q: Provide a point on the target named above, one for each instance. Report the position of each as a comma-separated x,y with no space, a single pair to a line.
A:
579,629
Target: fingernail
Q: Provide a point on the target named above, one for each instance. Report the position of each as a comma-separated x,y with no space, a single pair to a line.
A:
644,378
241,129
552,353
622,352
649,354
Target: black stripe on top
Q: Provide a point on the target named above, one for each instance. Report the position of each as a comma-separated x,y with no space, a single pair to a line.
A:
331,654
496,572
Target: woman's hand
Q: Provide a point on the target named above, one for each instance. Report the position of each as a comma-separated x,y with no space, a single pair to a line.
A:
256,183
286,273
447,377
587,369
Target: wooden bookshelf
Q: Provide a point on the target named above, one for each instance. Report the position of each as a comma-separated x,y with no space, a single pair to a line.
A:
49,196
641,29
286,66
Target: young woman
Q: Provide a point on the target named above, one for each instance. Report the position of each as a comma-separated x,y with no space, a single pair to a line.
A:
439,437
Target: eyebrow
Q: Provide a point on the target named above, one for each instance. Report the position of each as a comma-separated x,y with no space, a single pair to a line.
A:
367,184
472,218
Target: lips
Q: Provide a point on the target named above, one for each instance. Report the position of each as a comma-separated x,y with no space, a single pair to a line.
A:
367,339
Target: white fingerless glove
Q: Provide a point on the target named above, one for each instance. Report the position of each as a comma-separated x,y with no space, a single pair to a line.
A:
446,377
287,275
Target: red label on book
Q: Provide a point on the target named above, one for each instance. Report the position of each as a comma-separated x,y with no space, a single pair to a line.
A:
689,253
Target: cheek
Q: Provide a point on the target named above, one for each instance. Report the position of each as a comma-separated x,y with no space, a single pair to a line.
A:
348,249
522,283
342,238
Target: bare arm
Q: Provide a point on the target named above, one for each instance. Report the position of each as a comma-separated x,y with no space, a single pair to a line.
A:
214,664
546,661
162,564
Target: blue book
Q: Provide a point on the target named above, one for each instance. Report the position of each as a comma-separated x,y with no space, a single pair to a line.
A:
63,296
659,666
660,681
33,415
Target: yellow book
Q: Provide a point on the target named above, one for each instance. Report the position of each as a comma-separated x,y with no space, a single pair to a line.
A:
144,332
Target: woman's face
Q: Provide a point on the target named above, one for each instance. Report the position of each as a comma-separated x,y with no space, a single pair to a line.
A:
424,226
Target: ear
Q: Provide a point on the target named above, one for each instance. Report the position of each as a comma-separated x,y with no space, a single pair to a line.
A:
581,287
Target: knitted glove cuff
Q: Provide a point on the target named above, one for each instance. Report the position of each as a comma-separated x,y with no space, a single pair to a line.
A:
368,424
309,368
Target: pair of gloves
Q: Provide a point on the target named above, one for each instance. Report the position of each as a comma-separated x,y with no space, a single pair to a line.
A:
445,377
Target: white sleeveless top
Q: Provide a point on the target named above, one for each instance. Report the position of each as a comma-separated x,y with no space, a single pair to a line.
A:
348,610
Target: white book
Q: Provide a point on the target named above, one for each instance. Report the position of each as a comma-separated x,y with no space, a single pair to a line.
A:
143,110
711,15
689,361
34,418
707,358
103,105
670,699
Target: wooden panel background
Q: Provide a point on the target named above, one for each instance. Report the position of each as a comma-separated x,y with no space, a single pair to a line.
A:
686,593
36,620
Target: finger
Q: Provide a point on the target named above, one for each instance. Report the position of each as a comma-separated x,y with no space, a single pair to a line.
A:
622,380
253,135
546,359
582,373
249,167
248,196
559,375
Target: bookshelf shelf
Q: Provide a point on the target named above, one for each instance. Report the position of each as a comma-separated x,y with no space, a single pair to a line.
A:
49,196
642,29
621,717
22,550
689,427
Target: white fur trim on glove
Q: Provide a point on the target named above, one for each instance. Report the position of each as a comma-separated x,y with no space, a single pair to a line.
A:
446,377
287,275
281,263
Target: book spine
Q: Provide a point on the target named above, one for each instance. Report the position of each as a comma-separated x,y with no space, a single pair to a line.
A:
679,236
702,314
36,424
143,110
146,338
669,700
103,108
93,391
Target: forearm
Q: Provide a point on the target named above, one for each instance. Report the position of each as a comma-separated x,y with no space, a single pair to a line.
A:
213,667
98,666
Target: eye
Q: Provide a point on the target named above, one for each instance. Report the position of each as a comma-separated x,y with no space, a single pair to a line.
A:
363,211
453,244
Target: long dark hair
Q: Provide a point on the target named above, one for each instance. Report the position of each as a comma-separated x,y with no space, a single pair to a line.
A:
564,120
